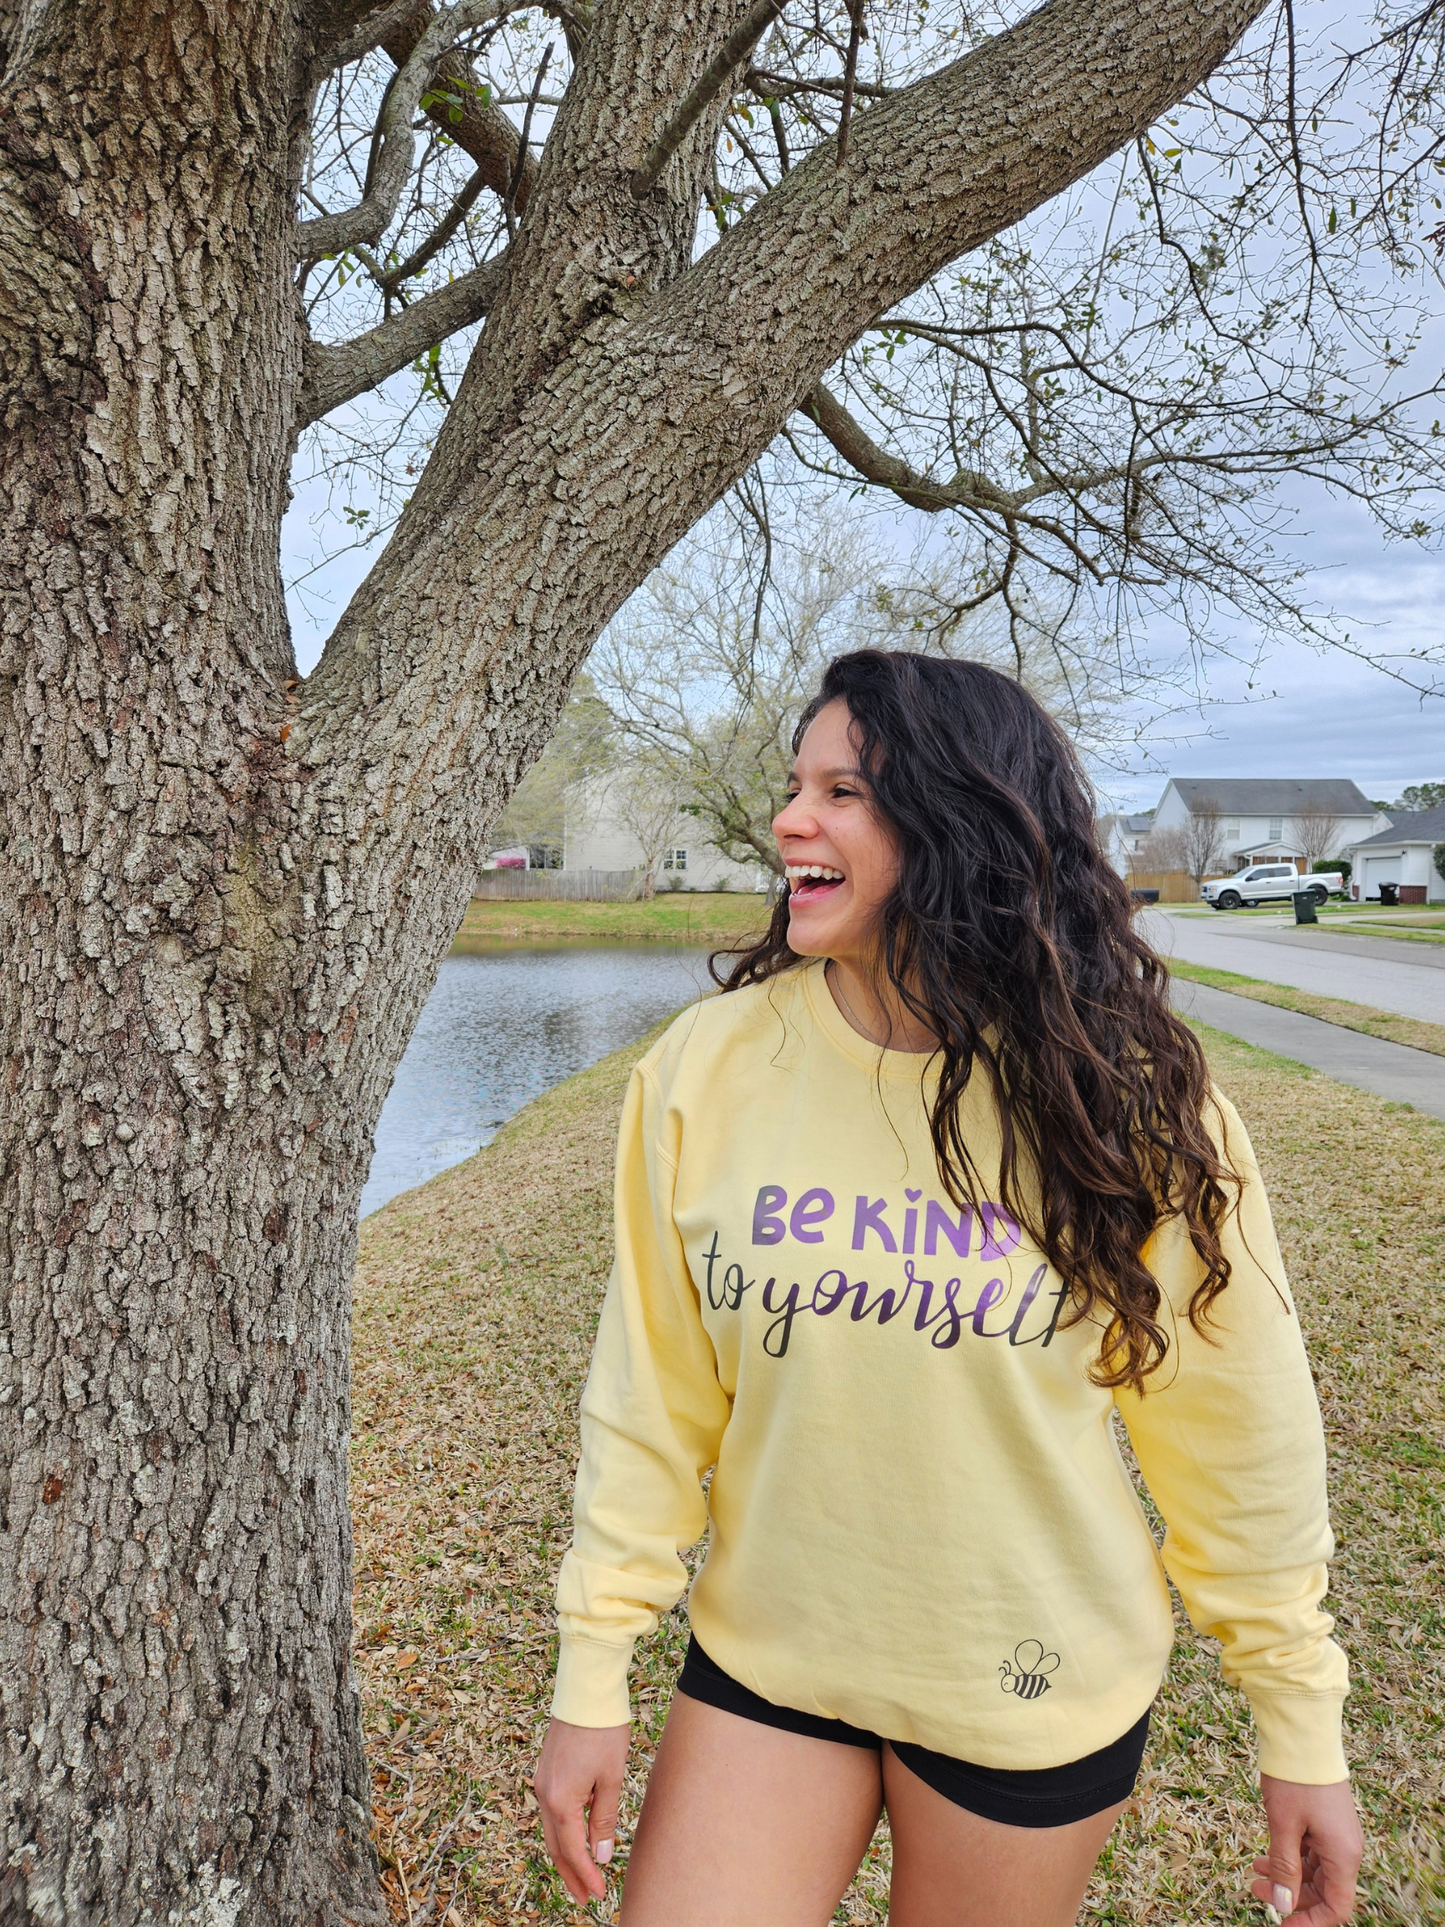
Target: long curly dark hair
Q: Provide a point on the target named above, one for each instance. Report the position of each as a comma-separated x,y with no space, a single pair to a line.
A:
1011,937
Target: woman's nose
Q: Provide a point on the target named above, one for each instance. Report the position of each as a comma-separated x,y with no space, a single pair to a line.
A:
793,820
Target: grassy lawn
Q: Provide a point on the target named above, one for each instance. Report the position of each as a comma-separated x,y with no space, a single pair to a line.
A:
1407,933
1333,1010
1411,922
673,916
475,1302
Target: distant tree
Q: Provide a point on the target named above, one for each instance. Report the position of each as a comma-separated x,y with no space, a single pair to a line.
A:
711,663
1315,826
1419,796
643,795
1162,850
1203,839
1437,857
585,743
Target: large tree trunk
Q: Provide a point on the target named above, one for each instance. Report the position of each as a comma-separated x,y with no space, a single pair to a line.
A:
224,898
179,1158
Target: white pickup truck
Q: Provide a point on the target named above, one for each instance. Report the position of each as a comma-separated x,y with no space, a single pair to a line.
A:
1266,882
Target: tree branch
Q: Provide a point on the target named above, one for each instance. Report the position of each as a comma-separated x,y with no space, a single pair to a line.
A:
390,279
861,452
714,77
563,473
334,233
337,374
344,33
484,133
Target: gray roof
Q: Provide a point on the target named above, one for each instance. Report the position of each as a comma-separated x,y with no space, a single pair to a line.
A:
1138,823
1411,826
1273,795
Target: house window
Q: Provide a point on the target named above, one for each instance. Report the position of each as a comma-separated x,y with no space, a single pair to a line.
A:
1231,829
674,859
1276,828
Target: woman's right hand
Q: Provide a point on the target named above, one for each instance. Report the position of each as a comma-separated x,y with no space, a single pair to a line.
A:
578,1784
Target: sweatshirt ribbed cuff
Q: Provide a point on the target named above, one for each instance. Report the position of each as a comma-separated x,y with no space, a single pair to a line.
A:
591,1687
1299,1737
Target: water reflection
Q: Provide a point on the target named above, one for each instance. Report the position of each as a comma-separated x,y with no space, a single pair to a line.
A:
502,1027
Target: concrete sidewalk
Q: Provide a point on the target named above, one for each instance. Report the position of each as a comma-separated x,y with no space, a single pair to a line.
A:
1408,979
1389,1070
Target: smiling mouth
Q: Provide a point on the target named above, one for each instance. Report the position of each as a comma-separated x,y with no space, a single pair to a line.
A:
810,882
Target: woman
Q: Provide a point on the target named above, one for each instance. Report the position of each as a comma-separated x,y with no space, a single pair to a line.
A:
901,1221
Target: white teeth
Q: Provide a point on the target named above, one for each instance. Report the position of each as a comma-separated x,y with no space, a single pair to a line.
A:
800,872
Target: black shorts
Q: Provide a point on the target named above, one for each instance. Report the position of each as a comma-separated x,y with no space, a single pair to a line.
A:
1050,1796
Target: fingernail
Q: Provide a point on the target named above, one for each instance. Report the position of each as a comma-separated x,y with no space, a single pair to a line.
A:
602,1853
1283,1901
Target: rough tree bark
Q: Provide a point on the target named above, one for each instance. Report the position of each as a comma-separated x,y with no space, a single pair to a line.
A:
224,896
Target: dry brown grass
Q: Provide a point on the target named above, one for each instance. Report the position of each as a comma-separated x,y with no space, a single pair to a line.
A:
1332,1010
476,1298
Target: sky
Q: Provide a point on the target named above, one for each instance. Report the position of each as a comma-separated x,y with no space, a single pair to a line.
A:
1319,714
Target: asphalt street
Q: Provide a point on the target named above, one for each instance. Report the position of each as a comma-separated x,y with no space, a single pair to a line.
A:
1408,978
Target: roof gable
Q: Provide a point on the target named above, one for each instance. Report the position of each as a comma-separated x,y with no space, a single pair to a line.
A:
1417,826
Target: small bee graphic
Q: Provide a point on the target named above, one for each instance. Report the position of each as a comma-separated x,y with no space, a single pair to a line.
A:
1034,1666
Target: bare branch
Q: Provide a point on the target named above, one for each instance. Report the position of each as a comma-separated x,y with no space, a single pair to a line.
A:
524,145
391,278
966,490
714,77
768,85
856,32
333,233
336,374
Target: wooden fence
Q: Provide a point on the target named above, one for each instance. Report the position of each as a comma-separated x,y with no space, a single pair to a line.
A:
1174,886
568,886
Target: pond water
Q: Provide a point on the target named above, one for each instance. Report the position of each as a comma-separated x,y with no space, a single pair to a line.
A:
504,1026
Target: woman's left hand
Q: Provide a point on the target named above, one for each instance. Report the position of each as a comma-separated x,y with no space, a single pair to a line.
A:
1315,1847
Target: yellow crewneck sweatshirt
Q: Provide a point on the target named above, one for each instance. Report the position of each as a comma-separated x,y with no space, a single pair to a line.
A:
919,1518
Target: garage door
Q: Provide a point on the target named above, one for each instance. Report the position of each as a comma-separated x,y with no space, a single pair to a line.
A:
1378,870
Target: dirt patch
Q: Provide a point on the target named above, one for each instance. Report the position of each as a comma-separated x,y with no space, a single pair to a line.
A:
476,1298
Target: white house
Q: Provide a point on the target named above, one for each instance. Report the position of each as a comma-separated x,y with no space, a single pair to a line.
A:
1402,854
615,822
1122,836
1259,814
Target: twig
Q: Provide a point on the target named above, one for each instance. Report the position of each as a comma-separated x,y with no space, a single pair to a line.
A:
446,1834
460,208
509,204
850,75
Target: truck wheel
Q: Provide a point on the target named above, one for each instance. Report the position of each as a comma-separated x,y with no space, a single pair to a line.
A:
1229,900
1318,893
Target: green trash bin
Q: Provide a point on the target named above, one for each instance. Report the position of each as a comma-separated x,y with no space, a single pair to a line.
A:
1304,907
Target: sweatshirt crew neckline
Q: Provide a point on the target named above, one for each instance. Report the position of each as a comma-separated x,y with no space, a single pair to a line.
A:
876,1058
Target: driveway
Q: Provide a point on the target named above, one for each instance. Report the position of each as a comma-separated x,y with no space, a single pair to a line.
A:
1406,978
